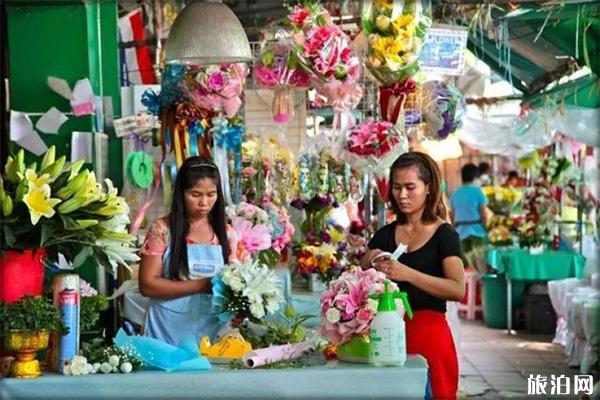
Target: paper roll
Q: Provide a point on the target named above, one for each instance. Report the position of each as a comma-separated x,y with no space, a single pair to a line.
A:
269,355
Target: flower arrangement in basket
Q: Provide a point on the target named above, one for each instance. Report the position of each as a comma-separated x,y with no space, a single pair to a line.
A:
324,51
395,32
346,309
373,146
64,210
246,290
277,68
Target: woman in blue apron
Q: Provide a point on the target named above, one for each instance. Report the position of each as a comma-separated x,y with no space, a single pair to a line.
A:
181,254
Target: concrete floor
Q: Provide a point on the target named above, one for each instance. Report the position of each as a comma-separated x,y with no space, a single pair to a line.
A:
494,365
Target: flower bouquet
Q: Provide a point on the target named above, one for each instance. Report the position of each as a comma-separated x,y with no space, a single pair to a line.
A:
324,51
500,236
64,210
501,200
373,146
252,229
347,311
395,35
217,87
246,290
277,68
532,231
443,109
282,231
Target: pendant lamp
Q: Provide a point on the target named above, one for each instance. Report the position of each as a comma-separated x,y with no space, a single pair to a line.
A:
207,32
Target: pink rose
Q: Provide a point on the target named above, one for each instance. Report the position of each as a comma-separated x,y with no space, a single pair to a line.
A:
364,315
216,81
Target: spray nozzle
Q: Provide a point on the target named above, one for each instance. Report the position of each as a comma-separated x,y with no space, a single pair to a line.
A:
387,300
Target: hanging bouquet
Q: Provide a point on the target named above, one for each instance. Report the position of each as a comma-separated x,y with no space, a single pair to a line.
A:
395,38
501,200
395,34
443,109
324,51
277,68
373,146
252,229
218,87
63,209
346,309
283,230
246,290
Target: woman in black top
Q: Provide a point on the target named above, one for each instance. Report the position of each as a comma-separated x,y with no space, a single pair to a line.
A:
430,271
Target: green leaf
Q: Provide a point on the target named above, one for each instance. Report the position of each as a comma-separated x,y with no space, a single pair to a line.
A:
83,255
46,234
9,236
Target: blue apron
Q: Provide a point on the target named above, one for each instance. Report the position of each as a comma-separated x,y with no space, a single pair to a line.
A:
170,320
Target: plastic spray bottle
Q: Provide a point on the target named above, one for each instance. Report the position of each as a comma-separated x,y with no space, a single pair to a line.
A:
388,333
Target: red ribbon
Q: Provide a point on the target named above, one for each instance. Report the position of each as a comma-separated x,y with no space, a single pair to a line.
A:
395,94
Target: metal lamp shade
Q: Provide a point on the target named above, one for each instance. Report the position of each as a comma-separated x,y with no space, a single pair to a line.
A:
207,33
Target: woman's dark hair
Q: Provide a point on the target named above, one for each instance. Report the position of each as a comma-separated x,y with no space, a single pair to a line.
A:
429,173
484,168
469,172
192,170
513,174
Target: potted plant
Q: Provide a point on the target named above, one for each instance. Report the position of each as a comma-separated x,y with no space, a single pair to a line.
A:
25,327
57,209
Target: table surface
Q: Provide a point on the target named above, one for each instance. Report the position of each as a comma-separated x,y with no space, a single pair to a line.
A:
336,380
549,265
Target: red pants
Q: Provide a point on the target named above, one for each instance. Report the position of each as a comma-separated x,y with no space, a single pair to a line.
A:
428,334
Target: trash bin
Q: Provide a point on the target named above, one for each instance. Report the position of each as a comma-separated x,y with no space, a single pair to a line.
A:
539,313
494,300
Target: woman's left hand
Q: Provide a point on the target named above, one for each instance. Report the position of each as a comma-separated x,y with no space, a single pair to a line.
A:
393,269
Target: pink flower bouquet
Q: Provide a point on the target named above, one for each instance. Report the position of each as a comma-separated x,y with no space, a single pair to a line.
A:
373,146
218,87
252,229
277,68
346,309
324,51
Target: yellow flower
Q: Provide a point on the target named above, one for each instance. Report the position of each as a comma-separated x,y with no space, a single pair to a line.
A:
39,202
34,180
387,46
402,21
324,250
383,3
336,235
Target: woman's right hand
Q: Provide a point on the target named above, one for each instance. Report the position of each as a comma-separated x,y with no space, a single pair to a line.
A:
367,260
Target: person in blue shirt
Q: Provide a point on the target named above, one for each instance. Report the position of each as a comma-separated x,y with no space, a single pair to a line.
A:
469,210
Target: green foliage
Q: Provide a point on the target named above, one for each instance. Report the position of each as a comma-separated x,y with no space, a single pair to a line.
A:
31,314
90,311
276,333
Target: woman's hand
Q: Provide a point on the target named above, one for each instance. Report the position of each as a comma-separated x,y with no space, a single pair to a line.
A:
367,261
393,269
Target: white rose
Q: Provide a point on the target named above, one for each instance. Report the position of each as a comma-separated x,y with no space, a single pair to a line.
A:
95,368
80,361
126,367
67,369
115,369
333,315
272,306
113,361
77,369
236,284
88,369
106,368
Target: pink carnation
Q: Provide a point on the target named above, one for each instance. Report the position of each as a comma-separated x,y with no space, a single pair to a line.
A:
298,16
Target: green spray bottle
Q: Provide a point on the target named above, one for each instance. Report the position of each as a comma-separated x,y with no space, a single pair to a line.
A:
388,332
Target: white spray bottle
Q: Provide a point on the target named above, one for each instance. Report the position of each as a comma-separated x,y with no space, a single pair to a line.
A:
388,333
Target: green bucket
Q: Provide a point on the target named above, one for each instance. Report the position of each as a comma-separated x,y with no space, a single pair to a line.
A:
494,300
355,350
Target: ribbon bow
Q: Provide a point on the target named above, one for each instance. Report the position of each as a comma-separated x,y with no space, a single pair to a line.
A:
151,100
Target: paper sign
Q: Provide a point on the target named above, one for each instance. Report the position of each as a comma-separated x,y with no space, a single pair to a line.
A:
83,98
23,134
140,124
60,86
81,146
51,121
443,50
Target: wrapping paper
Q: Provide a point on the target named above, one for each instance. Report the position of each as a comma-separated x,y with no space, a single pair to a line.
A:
269,355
